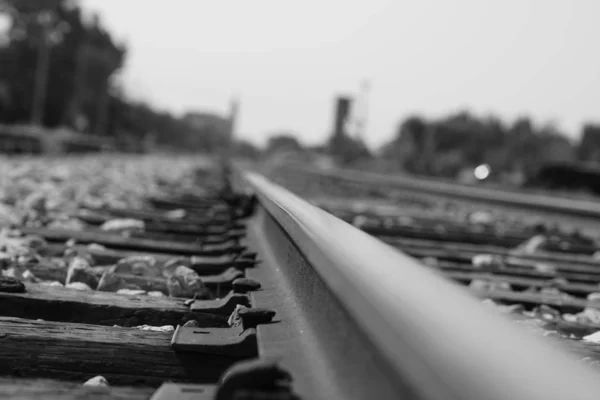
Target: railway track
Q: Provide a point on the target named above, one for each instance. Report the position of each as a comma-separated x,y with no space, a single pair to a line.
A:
224,285
544,265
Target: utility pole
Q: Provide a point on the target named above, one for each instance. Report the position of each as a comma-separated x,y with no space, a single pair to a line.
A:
361,121
232,120
41,71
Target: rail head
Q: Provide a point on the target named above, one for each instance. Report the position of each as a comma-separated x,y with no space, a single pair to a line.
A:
434,335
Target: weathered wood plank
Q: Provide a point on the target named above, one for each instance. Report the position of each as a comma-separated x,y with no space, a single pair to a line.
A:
565,304
510,261
157,224
116,241
191,230
102,308
512,270
200,238
101,215
457,235
568,287
457,248
46,389
124,356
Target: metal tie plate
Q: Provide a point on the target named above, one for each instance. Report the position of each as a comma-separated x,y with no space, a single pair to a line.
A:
182,391
223,341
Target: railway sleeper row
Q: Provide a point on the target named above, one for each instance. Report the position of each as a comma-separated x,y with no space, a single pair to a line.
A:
149,338
136,313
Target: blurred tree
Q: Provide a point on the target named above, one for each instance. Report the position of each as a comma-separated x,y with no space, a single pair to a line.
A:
404,150
56,62
463,140
554,146
60,67
245,149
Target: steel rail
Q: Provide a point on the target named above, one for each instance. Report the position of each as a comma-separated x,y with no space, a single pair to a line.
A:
536,202
433,337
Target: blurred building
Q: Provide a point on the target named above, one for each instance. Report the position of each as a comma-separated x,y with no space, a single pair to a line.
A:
208,131
203,121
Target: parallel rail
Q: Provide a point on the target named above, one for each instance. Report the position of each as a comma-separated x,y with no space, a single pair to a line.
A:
535,202
412,333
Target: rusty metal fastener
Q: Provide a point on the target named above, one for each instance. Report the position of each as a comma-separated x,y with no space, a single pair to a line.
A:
245,285
11,285
251,317
245,263
247,255
255,379
189,302
224,306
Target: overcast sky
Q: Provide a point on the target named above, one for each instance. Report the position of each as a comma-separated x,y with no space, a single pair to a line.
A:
288,59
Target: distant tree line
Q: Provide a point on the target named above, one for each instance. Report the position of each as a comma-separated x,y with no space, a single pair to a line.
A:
60,67
443,147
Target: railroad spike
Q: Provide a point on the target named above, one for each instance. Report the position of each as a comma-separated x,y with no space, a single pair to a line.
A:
224,306
245,285
252,317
